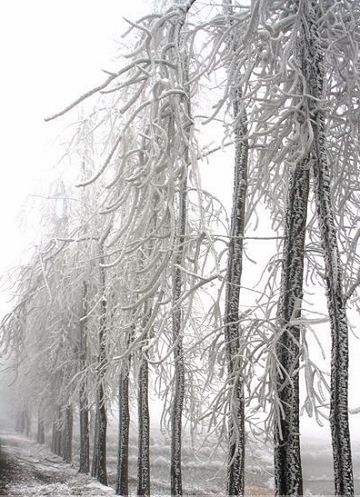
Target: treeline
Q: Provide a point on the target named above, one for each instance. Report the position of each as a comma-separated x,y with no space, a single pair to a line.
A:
139,278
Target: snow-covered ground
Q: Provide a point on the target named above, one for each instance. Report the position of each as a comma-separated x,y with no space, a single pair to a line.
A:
29,469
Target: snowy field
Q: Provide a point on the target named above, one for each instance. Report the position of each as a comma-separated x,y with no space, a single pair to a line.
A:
31,469
317,468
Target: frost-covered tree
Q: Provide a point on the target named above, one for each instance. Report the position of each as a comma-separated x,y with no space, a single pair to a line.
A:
321,167
232,322
121,296
294,129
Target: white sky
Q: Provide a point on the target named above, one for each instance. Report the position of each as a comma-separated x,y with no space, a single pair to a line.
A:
51,52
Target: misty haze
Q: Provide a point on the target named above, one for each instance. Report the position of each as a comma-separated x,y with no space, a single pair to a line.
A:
180,265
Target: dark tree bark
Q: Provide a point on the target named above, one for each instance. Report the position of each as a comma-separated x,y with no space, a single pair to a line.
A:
178,283
84,435
287,459
144,430
123,447
232,331
122,487
67,433
56,434
101,474
95,454
339,422
101,428
98,466
83,397
236,454
179,373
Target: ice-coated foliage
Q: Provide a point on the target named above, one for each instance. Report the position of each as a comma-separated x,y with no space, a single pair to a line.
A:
139,284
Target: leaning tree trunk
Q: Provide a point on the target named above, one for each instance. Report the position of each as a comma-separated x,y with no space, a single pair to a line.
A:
339,421
122,487
83,395
143,488
287,460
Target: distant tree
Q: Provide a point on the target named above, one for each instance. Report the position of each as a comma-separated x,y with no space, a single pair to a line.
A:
126,273
83,391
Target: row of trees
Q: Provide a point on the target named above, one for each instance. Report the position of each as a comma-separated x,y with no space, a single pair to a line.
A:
140,274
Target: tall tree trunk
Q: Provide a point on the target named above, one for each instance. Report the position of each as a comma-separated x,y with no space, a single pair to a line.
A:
27,422
236,454
100,433
17,422
287,459
232,331
178,283
22,421
339,421
177,322
287,454
122,487
53,437
98,466
83,396
63,435
84,463
40,437
95,454
57,433
144,429
84,433
101,474
67,434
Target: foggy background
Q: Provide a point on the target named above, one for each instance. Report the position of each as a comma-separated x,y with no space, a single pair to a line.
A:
52,52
